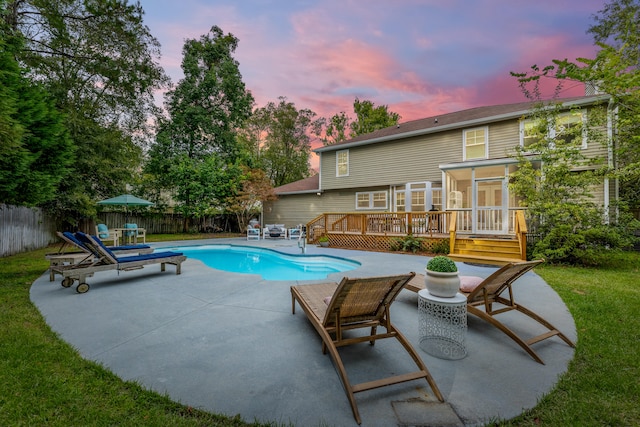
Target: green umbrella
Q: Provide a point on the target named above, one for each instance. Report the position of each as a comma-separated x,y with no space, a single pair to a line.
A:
126,200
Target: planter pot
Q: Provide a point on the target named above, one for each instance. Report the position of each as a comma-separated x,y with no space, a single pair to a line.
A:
324,244
444,285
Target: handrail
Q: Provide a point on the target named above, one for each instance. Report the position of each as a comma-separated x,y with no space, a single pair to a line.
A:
520,228
452,232
379,223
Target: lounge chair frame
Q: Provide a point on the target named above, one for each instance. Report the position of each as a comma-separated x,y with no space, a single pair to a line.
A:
105,260
497,289
358,303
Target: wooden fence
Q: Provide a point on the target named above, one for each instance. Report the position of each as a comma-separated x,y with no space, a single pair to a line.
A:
24,229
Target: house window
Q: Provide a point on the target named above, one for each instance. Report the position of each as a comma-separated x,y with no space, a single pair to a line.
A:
436,198
568,127
418,201
400,201
475,143
342,163
371,200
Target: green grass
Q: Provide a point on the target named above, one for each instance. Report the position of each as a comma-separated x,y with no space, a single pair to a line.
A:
43,381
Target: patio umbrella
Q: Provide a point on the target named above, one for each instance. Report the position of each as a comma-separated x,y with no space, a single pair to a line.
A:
126,200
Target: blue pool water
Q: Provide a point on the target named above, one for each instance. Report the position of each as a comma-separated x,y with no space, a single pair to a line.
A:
269,264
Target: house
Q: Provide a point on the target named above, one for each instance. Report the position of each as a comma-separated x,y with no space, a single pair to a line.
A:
457,163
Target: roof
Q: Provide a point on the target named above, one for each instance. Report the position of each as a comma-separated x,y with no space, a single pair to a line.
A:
307,185
465,118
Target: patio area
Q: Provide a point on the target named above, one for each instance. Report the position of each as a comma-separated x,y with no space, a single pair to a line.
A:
228,343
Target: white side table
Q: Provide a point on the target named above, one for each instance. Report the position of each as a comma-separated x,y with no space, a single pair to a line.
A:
443,325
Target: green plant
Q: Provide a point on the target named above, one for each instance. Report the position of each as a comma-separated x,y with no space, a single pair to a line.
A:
407,243
442,264
323,238
441,247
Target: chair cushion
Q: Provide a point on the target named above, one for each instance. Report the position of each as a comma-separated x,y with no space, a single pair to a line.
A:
469,283
103,231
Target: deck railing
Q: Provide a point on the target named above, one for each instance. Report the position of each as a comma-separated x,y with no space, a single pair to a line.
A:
380,224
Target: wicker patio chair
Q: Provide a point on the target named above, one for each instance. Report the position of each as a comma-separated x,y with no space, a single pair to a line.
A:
334,308
497,289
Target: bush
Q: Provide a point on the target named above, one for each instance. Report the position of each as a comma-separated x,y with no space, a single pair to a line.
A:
441,247
407,243
442,264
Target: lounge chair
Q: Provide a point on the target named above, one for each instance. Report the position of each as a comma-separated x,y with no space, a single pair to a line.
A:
253,233
483,294
357,303
104,259
61,260
103,232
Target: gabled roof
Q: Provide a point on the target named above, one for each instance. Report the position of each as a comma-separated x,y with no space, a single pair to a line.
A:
459,119
307,185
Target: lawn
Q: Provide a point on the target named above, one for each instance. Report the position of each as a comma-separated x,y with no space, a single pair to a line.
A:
43,381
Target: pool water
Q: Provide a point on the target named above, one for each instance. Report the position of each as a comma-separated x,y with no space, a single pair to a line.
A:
270,264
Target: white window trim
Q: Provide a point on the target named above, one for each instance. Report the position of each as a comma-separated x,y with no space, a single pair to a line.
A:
552,131
486,142
338,163
371,207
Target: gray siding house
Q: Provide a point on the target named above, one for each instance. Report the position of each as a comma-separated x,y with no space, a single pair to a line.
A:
457,162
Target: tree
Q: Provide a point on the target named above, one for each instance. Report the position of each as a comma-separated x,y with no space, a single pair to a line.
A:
288,144
370,118
195,154
256,189
99,62
35,145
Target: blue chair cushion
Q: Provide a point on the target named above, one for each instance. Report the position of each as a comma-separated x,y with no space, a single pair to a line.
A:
103,231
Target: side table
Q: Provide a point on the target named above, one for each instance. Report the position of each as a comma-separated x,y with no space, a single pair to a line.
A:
443,325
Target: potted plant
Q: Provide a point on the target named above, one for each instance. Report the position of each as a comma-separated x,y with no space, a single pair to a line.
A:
323,241
442,278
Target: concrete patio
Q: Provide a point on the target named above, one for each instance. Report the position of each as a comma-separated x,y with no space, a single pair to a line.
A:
228,343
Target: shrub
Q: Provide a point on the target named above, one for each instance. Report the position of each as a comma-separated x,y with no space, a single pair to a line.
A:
442,264
407,243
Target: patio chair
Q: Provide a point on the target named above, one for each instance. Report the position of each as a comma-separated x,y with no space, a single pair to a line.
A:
497,289
274,231
103,232
132,232
253,233
63,259
333,309
104,259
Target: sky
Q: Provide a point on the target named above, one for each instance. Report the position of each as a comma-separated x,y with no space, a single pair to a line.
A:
420,58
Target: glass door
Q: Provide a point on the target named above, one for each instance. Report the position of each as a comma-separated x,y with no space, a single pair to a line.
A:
491,210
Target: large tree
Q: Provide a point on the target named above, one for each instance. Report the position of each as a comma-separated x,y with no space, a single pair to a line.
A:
369,118
196,155
35,145
288,142
573,227
99,62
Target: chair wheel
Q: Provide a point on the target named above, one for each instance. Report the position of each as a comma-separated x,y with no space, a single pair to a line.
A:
66,282
82,288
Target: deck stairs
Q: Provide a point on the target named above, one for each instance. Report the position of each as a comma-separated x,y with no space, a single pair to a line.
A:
495,250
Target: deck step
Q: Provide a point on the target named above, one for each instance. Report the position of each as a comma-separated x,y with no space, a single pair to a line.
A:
498,251
476,259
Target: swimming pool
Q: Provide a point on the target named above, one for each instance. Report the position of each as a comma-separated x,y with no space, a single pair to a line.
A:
270,264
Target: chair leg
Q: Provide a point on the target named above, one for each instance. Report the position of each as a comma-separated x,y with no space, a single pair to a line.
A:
418,361
553,331
481,314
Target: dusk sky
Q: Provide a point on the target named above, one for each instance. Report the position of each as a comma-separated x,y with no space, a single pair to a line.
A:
419,57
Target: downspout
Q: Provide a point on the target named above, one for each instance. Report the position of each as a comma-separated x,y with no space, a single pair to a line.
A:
607,196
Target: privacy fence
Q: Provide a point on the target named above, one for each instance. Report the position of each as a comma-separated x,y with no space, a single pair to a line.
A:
23,229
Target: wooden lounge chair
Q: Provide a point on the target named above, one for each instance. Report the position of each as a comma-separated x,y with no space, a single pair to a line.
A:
82,255
104,259
497,289
357,303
